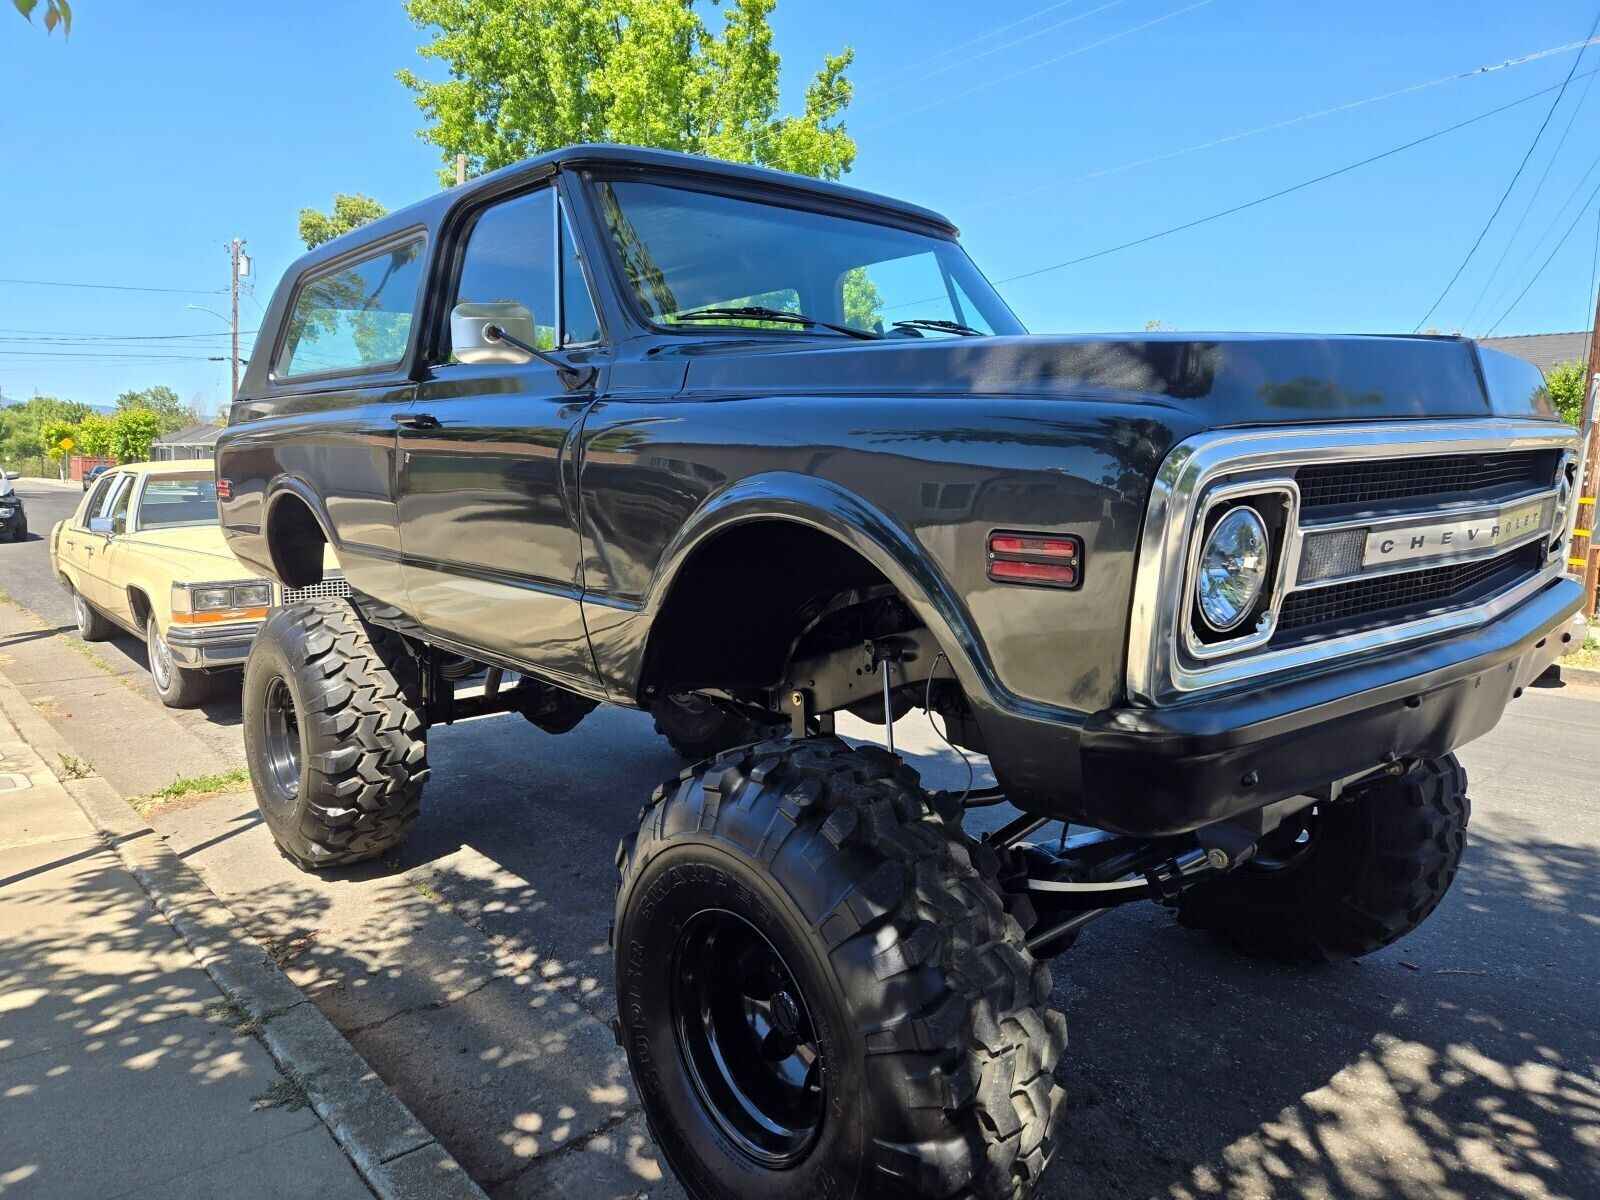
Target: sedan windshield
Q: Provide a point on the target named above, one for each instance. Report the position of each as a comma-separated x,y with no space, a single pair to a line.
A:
713,260
175,500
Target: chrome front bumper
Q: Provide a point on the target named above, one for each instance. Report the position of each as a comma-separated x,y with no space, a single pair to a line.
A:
211,646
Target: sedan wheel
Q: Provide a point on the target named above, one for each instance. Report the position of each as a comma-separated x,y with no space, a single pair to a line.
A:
177,686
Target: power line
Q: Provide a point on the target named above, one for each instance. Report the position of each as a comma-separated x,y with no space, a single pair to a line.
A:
1027,37
1259,200
115,337
1528,207
116,287
1285,123
1577,190
1039,66
982,37
1484,232
1556,249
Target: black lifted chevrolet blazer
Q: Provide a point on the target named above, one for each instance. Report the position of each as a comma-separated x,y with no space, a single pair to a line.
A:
747,450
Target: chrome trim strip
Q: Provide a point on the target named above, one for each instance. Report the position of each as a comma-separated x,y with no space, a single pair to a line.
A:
1288,552
1405,566
1156,673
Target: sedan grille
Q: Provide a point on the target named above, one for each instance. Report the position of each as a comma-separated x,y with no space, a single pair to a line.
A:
334,587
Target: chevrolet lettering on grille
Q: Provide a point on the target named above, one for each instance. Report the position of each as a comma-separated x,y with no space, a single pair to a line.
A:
1454,539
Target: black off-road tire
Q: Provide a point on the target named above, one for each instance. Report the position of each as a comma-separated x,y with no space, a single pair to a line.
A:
356,787
1374,868
699,729
93,625
936,1044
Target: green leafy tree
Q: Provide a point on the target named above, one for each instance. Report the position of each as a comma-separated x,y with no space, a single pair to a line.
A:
22,441
350,211
94,435
863,302
172,413
56,12
132,431
59,438
1568,383
533,76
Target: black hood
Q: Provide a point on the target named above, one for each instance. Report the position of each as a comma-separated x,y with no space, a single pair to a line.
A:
1222,379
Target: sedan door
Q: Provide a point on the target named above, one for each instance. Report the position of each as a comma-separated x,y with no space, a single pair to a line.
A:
97,586
76,544
487,484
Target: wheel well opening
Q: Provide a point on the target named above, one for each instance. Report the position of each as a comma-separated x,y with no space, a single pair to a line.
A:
296,541
737,606
139,605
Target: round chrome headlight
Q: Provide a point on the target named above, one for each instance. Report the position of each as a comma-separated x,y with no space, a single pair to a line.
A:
1233,569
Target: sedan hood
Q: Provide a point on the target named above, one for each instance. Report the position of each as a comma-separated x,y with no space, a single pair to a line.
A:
1220,379
193,553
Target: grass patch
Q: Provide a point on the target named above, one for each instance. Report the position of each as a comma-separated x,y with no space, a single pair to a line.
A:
285,1094
193,785
73,767
94,659
1586,655
233,1014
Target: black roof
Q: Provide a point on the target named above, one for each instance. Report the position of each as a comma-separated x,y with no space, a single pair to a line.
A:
432,209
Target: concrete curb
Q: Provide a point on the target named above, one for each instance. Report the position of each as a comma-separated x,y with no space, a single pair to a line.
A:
396,1156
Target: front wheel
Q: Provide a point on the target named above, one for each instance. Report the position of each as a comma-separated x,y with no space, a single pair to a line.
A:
177,686
92,626
820,994
333,734
1342,880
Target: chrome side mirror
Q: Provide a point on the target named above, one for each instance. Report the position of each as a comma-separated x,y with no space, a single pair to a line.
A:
469,342
102,525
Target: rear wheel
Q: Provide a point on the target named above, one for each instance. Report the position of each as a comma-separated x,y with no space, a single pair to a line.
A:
1342,880
820,994
699,728
177,686
92,626
336,746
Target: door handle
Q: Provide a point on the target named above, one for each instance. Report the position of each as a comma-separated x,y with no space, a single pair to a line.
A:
408,420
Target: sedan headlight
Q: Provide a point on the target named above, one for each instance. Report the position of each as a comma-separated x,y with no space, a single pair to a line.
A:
1232,569
197,604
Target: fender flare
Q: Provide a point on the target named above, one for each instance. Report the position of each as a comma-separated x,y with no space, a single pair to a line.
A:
292,485
825,506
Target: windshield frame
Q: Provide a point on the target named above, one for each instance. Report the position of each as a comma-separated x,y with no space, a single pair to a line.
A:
773,195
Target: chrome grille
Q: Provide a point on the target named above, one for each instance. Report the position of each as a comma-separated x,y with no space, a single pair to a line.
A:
1447,477
333,587
1415,593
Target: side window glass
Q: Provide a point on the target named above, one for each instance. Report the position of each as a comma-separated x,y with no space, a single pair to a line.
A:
580,324
357,317
97,498
511,259
119,502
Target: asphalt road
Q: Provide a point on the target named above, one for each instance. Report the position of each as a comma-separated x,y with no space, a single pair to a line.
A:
1462,1063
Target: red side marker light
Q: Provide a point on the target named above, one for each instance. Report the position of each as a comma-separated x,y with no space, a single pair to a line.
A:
224,489
1045,560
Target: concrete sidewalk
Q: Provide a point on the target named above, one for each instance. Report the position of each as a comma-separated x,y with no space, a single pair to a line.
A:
124,1070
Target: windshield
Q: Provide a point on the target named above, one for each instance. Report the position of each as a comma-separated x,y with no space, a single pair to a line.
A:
684,251
175,500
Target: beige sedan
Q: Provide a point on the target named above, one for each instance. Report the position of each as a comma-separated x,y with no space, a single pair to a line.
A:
144,552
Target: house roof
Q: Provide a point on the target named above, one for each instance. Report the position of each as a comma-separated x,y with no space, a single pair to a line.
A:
1544,350
192,435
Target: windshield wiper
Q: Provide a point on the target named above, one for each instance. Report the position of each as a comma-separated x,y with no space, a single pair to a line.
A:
778,316
941,326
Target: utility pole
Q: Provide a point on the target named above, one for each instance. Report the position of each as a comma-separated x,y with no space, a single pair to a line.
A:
1585,554
236,257
461,169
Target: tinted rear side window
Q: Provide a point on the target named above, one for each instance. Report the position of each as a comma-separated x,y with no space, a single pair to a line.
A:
359,316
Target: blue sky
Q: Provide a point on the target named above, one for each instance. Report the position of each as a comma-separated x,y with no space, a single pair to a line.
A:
137,148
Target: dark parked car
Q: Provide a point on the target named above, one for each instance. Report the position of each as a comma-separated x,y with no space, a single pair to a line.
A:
92,475
13,517
749,450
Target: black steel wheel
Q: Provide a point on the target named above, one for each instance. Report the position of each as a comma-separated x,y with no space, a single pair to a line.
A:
333,734
746,1036
1347,878
820,993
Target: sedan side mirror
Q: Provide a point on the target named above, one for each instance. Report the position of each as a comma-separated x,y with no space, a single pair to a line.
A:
101,525
468,323
13,474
